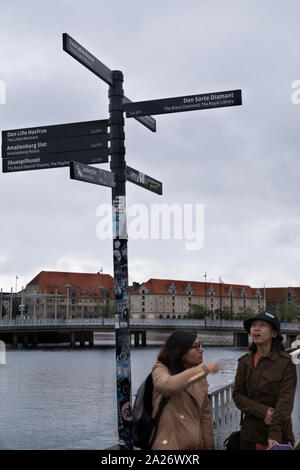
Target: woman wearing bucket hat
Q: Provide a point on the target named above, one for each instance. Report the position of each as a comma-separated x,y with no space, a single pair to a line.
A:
265,385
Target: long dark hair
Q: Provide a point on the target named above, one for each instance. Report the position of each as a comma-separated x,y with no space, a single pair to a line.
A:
174,348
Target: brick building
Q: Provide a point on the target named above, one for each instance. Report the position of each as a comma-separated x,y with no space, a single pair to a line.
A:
283,300
161,298
53,294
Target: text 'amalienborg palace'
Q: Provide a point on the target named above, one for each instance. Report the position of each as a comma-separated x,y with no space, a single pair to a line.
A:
53,294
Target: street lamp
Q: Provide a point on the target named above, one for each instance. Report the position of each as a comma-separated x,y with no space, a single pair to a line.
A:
231,302
205,305
102,291
55,305
11,304
221,299
68,287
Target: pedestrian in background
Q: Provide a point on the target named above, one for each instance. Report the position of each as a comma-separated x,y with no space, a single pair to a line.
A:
185,423
296,343
265,385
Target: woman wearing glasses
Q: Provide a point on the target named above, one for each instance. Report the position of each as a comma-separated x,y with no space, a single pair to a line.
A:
185,423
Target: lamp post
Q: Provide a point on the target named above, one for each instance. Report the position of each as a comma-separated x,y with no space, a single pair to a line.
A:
45,304
22,304
11,304
221,298
55,305
68,287
102,293
205,304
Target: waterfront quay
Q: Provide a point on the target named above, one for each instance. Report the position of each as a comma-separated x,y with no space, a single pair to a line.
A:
81,366
31,332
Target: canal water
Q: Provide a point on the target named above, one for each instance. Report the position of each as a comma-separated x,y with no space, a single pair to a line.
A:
65,399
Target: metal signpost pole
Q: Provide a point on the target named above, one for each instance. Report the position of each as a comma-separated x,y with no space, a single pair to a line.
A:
82,143
1,304
122,333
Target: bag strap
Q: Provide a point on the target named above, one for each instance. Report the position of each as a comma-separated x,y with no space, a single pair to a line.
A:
156,418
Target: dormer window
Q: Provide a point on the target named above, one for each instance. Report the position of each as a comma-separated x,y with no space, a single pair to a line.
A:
188,290
172,289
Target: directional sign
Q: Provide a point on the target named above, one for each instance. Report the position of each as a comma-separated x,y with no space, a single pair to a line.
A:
184,103
56,145
87,59
54,160
145,181
90,174
148,121
34,134
55,139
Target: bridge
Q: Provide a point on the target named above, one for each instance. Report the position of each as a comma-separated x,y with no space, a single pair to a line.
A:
31,332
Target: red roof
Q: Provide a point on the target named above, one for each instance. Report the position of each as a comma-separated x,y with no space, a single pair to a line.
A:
279,294
162,286
80,283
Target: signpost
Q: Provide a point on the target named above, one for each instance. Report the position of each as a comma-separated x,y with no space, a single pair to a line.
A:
87,59
54,160
81,143
184,103
147,121
53,132
43,147
90,174
145,181
79,53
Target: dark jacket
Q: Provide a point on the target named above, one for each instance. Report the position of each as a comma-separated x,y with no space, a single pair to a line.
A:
272,383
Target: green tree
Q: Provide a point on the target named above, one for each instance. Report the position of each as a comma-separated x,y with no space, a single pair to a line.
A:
108,311
226,313
243,313
197,312
4,310
287,312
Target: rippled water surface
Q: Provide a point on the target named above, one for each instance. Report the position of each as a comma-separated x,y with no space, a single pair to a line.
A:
66,398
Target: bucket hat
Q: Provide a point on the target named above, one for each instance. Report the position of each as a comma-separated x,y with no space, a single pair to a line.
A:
265,316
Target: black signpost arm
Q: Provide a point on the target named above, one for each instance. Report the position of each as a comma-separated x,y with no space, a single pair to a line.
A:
118,167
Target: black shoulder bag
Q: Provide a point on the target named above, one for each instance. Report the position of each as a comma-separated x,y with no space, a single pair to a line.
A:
156,419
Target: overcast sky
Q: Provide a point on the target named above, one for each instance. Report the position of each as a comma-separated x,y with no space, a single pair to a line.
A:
241,164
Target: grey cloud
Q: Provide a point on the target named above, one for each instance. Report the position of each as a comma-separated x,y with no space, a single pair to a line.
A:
242,162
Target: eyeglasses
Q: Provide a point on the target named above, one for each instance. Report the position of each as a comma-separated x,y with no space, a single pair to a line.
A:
197,346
